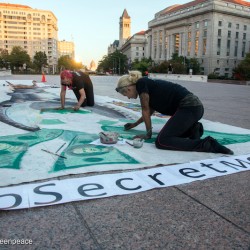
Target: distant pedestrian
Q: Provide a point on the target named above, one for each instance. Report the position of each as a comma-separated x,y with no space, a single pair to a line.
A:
170,69
182,131
82,86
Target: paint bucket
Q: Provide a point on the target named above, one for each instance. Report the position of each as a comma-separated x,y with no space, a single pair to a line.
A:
108,137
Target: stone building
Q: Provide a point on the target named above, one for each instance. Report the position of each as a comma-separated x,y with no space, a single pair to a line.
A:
216,32
134,47
32,29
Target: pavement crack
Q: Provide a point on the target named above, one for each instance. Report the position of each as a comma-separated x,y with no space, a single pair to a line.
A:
213,211
87,226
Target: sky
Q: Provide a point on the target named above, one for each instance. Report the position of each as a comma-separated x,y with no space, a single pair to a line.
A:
94,24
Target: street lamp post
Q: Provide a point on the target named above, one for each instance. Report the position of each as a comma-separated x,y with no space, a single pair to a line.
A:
114,65
119,65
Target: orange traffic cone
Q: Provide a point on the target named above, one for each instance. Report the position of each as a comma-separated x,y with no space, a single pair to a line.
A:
43,77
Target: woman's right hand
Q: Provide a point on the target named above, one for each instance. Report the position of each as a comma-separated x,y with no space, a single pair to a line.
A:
128,126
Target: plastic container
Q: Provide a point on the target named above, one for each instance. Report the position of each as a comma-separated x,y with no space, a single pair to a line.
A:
138,143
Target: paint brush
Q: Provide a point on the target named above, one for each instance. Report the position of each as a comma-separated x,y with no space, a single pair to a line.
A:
60,147
129,143
47,151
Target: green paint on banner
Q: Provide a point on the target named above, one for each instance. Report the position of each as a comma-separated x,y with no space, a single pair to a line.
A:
11,153
226,138
13,147
79,152
158,121
51,122
65,111
85,155
83,138
82,154
107,122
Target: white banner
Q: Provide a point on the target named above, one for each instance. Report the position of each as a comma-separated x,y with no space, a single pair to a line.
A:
101,186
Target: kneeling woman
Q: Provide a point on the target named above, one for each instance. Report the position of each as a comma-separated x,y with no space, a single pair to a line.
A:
82,86
182,131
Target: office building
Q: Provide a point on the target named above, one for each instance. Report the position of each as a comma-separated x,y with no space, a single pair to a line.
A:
32,29
66,48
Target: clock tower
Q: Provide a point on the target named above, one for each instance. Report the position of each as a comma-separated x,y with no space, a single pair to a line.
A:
125,28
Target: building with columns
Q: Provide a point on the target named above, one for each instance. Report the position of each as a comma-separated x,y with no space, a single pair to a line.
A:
216,32
32,29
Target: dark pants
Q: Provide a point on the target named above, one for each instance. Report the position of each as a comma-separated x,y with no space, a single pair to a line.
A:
176,132
77,94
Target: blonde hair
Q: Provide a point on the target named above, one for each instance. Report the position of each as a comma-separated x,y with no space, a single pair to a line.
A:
130,79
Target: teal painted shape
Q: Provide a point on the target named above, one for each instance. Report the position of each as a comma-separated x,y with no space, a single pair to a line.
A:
226,138
13,147
158,121
51,122
11,153
107,122
64,111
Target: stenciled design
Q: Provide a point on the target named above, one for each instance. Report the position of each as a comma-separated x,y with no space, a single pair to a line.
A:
79,153
13,147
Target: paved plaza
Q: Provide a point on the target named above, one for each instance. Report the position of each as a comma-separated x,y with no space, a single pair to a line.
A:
208,214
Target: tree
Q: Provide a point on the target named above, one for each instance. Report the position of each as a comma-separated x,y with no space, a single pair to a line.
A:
18,57
65,62
143,65
115,63
4,58
194,64
40,60
242,71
